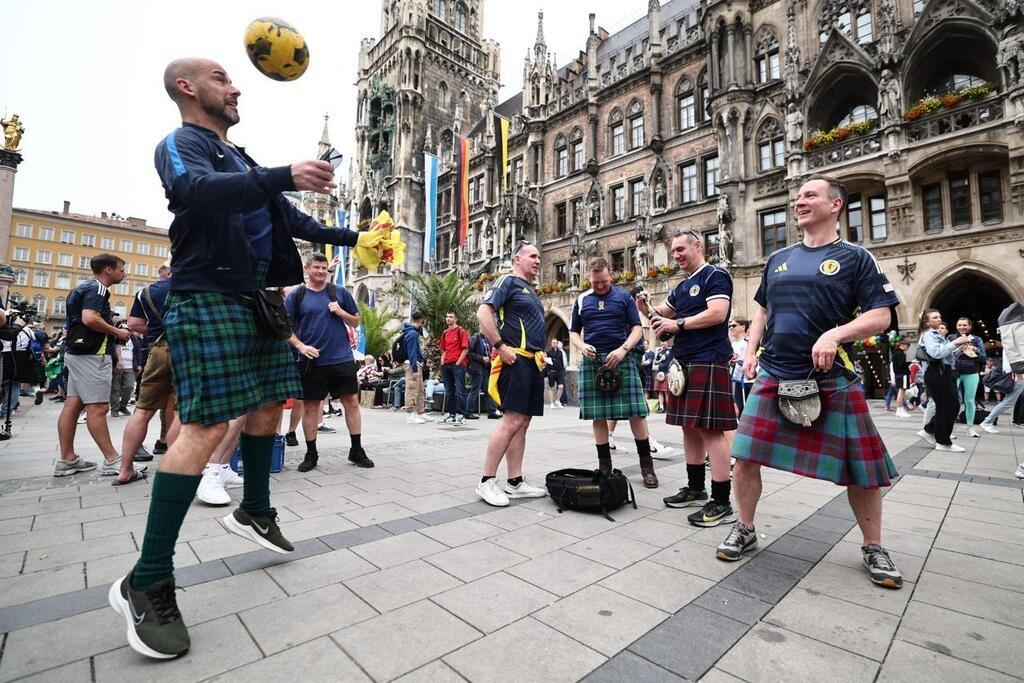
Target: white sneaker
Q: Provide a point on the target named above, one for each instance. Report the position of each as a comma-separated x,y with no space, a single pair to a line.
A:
112,468
926,436
460,420
81,419
322,428
426,417
448,420
902,412
491,493
952,448
414,419
524,490
660,451
972,432
989,428
211,488
230,478
1019,472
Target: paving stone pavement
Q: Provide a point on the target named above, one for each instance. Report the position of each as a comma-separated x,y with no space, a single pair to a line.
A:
401,573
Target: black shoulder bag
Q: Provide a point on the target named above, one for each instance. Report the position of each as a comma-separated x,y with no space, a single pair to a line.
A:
270,314
590,490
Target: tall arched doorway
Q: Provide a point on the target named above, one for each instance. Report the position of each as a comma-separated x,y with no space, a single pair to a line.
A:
973,295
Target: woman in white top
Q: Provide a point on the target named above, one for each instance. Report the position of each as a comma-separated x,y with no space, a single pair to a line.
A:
738,329
938,359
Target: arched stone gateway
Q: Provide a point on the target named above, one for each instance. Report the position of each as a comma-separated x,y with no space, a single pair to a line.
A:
362,295
556,326
972,290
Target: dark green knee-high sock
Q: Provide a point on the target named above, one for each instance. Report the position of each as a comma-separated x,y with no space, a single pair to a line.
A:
171,497
257,452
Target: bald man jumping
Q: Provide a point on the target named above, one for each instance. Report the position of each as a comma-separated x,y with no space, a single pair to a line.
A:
231,236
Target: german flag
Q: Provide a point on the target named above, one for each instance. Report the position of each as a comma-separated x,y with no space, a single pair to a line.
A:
501,133
462,188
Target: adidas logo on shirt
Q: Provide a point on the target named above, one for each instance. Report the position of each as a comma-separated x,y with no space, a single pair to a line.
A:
782,269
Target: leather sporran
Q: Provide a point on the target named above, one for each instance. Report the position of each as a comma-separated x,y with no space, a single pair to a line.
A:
271,316
676,378
607,380
800,401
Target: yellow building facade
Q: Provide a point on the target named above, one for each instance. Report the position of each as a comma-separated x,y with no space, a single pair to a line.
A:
50,252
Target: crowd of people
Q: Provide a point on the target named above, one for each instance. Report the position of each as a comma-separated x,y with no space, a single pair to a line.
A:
219,345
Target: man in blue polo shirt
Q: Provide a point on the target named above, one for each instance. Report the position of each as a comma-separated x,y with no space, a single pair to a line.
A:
697,313
326,363
606,328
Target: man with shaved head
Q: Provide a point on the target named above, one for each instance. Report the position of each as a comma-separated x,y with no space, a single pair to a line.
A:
232,236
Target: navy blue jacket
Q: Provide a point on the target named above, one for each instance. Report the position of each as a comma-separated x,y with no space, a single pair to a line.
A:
209,196
411,342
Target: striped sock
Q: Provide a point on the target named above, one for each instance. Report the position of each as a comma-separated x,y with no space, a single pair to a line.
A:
172,495
257,452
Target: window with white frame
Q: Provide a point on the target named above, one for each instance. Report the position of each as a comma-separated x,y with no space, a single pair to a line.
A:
83,262
711,166
688,188
686,104
576,150
46,234
126,246
24,230
636,197
88,240
561,157
44,256
852,17
616,133
39,301
121,287
41,278
771,145
142,248
636,125
160,251
766,56
67,237
63,281
60,305
107,243
20,254
64,259
142,269
21,276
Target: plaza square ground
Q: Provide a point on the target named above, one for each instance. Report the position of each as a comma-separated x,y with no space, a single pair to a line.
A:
400,572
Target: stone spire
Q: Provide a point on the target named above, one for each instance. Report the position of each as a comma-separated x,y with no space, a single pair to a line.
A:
325,140
540,48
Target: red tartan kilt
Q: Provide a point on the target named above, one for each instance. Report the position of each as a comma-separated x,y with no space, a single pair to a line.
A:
706,402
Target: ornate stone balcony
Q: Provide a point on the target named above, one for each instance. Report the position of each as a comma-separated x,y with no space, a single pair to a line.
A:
847,150
955,119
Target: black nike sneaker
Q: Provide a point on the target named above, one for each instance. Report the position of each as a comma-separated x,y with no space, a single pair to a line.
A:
262,530
155,626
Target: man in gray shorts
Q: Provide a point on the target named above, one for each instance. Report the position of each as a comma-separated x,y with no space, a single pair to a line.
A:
88,356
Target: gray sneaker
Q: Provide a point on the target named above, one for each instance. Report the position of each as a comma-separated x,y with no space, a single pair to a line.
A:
155,626
262,530
740,539
64,468
112,468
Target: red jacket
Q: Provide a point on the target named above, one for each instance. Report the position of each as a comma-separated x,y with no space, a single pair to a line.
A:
453,343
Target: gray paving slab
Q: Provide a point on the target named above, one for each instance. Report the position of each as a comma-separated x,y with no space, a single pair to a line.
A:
284,623
851,583
319,660
434,672
49,610
27,587
31,650
400,526
347,539
737,606
398,586
461,531
553,656
75,671
969,597
217,646
494,601
475,560
772,654
260,559
756,580
560,572
909,663
401,641
443,515
588,615
317,571
627,666
690,642
395,550
657,585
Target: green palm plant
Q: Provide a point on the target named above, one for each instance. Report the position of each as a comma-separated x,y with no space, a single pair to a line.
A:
380,327
434,296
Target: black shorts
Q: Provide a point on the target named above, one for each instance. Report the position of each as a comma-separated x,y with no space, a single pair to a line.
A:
902,381
521,387
556,377
338,380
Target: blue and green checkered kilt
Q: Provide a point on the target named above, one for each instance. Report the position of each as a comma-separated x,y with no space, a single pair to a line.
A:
223,364
629,401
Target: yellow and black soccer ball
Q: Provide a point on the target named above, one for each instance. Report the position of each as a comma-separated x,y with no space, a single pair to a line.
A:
276,48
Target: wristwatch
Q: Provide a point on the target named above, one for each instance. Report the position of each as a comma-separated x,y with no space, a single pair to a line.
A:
681,322
498,344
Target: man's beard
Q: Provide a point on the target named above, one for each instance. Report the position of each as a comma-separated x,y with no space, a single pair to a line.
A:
220,111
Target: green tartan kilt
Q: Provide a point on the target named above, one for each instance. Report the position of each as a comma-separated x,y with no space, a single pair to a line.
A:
629,401
223,364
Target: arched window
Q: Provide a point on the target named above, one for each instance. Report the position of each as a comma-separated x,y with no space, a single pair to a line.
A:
616,133
954,78
460,17
442,95
39,301
852,17
576,149
770,145
439,9
704,105
859,112
60,306
561,157
636,125
766,56
686,105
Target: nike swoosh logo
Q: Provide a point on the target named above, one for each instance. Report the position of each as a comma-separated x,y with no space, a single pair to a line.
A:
219,155
136,617
261,529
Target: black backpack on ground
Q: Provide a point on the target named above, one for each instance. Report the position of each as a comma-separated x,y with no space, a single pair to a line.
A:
590,490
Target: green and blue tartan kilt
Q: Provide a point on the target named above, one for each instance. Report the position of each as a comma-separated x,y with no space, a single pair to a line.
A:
842,446
629,401
223,364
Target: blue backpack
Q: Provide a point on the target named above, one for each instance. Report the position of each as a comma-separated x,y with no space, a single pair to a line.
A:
34,347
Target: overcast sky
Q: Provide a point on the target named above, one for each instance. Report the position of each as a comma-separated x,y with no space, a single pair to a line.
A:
86,79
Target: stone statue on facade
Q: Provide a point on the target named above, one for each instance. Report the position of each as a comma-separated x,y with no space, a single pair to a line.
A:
889,108
13,130
641,260
595,212
724,216
574,272
660,192
794,127
1010,58
888,27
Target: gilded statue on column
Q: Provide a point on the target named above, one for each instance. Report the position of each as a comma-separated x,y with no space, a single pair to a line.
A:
13,130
